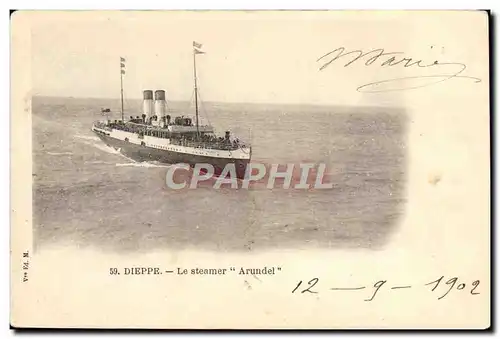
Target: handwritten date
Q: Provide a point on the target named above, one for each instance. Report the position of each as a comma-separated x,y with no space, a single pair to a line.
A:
438,285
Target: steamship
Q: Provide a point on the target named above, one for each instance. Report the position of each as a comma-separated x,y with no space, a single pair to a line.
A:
157,136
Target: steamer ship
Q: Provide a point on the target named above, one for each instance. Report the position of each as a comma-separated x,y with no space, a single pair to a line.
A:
157,136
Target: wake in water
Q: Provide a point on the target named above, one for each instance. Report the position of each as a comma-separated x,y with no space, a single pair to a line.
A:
97,143
153,164
59,153
105,148
87,137
97,162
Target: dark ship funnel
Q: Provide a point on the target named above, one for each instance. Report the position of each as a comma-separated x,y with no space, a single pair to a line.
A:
159,95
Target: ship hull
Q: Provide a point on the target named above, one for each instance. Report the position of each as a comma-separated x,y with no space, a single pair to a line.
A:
143,153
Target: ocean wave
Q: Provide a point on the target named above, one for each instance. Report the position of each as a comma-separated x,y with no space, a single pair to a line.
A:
144,164
110,150
87,137
60,153
99,162
105,148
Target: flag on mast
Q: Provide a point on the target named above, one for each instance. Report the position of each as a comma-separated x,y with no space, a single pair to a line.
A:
122,65
197,48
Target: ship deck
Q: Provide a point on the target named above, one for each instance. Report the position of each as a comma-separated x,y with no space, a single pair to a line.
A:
204,140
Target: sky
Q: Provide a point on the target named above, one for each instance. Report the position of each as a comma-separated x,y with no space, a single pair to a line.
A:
262,57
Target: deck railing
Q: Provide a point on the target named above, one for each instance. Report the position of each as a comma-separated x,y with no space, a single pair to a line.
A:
215,143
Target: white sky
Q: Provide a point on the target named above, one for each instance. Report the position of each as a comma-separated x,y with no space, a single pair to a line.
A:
250,57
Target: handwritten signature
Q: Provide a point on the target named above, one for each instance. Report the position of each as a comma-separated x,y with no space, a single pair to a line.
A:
390,59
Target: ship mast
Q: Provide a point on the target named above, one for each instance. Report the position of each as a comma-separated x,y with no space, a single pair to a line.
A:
195,90
122,71
196,50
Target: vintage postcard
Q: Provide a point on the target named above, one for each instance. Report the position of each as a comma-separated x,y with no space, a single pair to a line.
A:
250,169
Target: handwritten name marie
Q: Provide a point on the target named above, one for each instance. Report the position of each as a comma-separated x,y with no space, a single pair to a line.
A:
379,57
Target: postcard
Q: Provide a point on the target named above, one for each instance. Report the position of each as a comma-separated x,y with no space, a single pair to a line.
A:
250,169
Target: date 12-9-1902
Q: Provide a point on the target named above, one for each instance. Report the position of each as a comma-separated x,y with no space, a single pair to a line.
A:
441,286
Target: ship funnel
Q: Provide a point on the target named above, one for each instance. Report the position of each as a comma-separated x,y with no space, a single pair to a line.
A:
148,105
160,106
